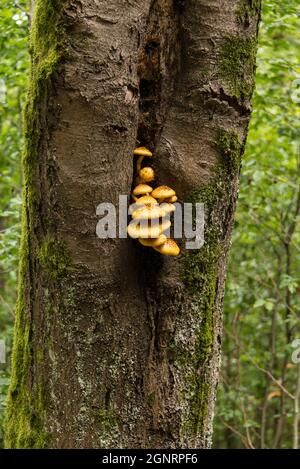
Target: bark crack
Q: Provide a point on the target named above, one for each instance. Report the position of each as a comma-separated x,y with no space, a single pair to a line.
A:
242,108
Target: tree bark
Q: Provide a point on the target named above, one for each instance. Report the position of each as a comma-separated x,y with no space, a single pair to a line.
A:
116,345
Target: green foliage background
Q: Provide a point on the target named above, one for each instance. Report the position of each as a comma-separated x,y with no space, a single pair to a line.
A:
262,299
261,317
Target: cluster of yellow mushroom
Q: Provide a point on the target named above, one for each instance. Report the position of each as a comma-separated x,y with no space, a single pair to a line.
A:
151,208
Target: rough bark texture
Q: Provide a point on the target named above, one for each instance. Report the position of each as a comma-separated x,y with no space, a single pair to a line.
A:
115,345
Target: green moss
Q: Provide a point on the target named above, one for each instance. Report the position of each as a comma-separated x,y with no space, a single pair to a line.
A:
237,56
47,48
24,425
54,258
39,355
24,418
108,429
200,275
199,265
199,407
151,399
246,10
230,149
107,420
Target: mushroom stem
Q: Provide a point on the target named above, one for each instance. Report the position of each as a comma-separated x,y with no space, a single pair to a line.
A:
139,163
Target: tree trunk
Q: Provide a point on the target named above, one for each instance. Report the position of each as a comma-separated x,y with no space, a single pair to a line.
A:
116,345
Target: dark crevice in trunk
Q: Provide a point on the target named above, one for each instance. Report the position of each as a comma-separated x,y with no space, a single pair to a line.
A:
243,109
158,68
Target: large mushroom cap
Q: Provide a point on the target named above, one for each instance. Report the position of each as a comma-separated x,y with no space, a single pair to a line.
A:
153,242
162,192
169,248
142,189
142,151
147,174
148,212
136,230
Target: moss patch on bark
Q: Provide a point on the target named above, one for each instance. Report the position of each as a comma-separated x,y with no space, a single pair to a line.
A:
237,58
54,258
200,275
25,405
230,150
24,426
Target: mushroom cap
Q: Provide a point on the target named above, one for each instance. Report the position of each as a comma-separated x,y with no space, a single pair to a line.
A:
136,230
153,242
142,201
171,199
162,192
142,151
148,212
169,248
167,208
142,189
147,174
146,199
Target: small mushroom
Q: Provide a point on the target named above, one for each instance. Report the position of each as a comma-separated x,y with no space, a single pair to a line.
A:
142,189
163,192
169,248
142,201
147,174
141,152
168,208
171,199
148,212
136,230
153,242
146,199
